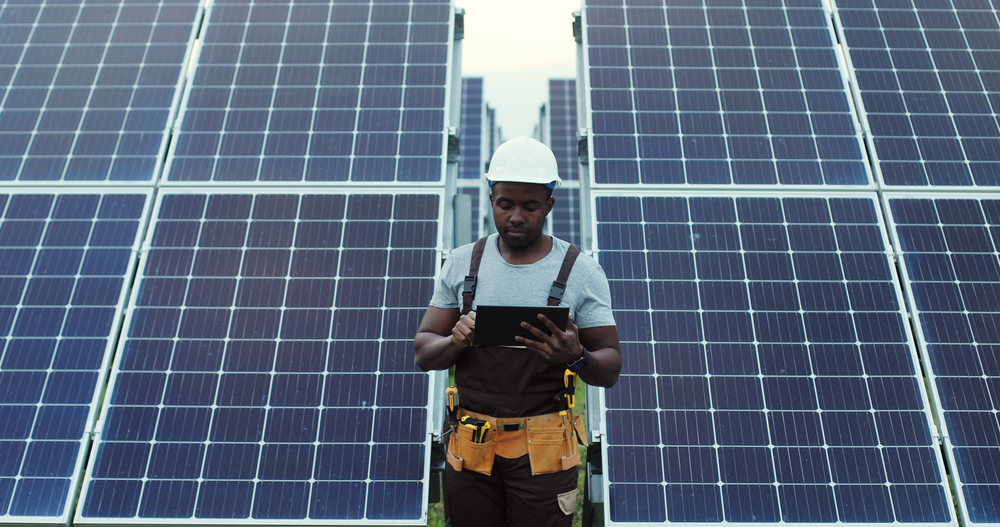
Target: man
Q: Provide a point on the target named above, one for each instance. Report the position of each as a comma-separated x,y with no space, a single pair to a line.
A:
520,467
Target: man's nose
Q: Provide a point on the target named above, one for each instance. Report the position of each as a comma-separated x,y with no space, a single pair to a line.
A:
517,215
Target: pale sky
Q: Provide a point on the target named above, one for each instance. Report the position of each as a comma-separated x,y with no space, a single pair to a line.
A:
516,46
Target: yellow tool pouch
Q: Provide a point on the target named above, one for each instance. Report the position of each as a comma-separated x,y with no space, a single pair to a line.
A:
465,454
549,440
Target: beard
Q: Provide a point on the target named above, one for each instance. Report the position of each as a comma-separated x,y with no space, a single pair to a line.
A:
519,242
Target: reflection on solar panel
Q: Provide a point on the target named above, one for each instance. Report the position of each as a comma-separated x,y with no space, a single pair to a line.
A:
87,88
562,127
317,92
266,371
950,257
718,95
929,79
65,262
769,375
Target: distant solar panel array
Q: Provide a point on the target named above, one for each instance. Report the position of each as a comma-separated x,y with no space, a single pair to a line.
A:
473,156
263,370
752,189
562,138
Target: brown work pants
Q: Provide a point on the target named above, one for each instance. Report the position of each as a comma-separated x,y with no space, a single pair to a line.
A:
510,496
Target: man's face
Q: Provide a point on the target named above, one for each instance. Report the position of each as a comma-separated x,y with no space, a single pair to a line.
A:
519,211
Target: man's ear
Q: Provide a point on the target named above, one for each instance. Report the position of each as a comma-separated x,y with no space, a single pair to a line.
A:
550,203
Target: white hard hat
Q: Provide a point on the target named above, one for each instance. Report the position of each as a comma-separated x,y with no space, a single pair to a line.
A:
524,160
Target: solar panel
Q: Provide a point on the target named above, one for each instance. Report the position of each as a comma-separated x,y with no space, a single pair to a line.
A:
472,159
471,163
717,94
88,88
311,92
949,255
66,259
769,373
563,127
562,139
266,370
929,83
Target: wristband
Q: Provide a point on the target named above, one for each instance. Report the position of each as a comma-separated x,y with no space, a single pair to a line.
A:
580,363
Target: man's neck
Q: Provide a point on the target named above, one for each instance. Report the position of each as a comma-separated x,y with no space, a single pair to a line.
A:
525,255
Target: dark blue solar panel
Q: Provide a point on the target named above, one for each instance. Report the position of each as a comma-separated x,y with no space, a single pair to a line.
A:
317,92
87,88
949,255
718,95
928,77
266,371
768,370
563,128
473,161
65,260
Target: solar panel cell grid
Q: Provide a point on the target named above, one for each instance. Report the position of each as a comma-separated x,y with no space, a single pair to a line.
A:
262,373
338,92
768,372
949,255
64,261
718,95
927,75
87,89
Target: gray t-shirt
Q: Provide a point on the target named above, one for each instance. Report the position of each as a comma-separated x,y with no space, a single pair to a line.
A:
500,283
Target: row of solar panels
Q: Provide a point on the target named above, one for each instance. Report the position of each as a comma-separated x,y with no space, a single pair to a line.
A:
769,373
713,94
743,400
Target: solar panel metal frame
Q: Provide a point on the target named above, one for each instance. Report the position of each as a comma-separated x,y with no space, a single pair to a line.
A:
434,382
585,86
939,411
450,106
862,112
68,501
600,430
172,113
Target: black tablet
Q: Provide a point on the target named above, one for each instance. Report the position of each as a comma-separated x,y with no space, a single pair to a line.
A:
498,325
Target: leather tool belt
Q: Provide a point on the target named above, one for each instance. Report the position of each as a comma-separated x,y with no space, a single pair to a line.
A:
549,440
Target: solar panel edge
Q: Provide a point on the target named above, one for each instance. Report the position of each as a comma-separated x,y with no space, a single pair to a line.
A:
181,95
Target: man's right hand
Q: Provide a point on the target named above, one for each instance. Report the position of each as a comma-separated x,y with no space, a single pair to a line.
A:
464,331
442,337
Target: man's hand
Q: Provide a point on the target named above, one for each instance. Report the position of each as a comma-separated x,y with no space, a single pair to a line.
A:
464,331
564,347
560,347
442,337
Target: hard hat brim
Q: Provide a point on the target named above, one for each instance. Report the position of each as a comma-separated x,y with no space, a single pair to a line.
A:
555,183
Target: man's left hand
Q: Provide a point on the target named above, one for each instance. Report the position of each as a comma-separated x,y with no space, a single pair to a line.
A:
561,347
